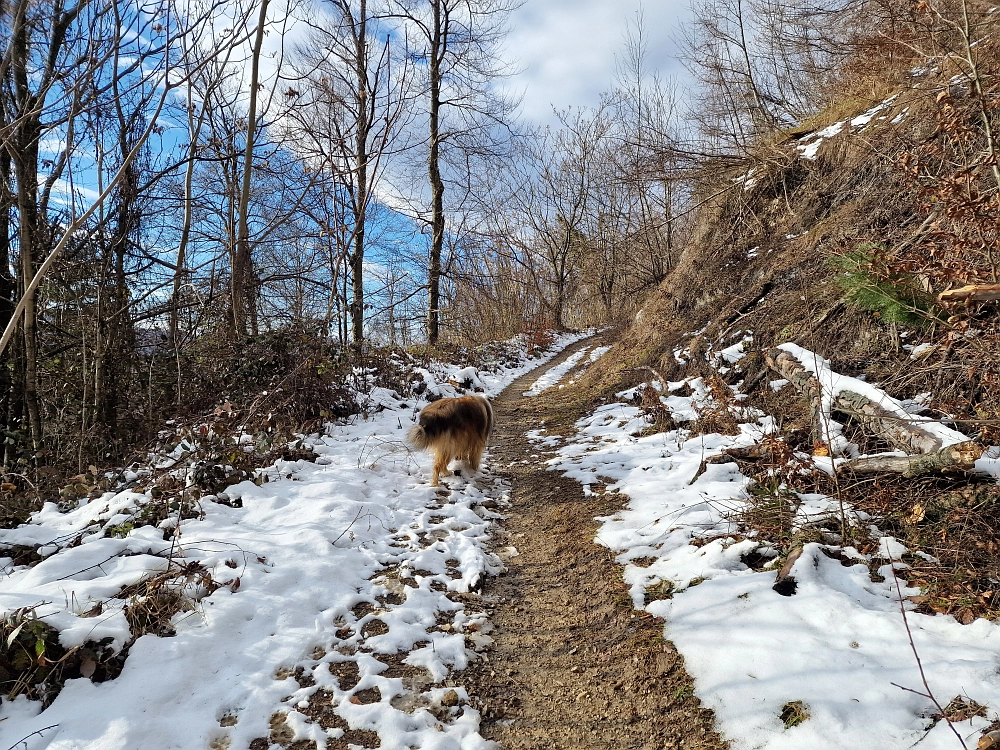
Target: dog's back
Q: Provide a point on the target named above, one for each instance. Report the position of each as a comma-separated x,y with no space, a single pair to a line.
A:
453,428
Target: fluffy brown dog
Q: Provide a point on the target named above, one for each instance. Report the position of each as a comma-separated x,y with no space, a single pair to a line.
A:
453,428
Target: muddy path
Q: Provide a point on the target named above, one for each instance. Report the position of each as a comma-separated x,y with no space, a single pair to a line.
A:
573,664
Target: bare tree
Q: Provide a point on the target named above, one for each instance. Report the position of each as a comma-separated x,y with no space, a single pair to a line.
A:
552,194
457,43
59,61
349,117
242,272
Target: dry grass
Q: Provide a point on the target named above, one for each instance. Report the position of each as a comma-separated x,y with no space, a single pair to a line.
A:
152,604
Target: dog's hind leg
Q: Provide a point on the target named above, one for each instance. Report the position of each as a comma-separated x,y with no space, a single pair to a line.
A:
476,458
441,461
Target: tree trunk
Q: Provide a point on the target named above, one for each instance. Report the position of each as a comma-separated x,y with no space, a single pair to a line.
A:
114,351
24,140
194,132
361,177
438,44
28,236
241,290
8,288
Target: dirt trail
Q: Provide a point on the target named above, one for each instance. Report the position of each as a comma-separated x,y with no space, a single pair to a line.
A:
573,666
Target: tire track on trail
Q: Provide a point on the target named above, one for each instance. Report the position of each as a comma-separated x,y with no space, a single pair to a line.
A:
573,664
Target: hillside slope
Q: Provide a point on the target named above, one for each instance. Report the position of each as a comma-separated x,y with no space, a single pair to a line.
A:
838,236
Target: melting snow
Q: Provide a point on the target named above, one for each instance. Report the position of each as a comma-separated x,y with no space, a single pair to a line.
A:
839,644
552,376
330,563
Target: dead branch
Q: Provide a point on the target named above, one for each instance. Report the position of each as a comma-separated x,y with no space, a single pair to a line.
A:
732,455
785,583
970,293
960,457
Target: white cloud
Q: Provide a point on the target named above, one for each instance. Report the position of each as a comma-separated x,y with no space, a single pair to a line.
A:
566,48
83,194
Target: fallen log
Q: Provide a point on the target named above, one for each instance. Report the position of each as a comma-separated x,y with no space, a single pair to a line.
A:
970,293
907,436
785,364
888,420
960,457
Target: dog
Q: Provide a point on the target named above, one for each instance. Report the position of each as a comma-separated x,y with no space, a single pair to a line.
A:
453,428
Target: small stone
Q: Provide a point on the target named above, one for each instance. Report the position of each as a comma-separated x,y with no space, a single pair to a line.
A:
87,668
450,699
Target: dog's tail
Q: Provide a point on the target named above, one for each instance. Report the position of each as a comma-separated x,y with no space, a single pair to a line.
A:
418,437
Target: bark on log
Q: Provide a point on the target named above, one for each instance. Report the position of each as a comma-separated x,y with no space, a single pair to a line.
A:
959,457
907,436
971,293
786,365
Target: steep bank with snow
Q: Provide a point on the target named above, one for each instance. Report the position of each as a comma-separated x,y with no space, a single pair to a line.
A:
833,242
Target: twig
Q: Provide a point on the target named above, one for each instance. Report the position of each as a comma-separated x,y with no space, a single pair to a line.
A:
911,690
348,528
24,740
916,655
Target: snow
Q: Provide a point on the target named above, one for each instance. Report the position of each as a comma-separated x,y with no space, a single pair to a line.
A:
748,180
839,645
990,462
275,585
810,149
352,558
598,351
922,350
734,353
861,120
553,375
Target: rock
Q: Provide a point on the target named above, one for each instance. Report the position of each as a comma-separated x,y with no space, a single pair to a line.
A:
450,699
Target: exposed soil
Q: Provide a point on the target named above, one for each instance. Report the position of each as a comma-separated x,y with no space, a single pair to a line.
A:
574,665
